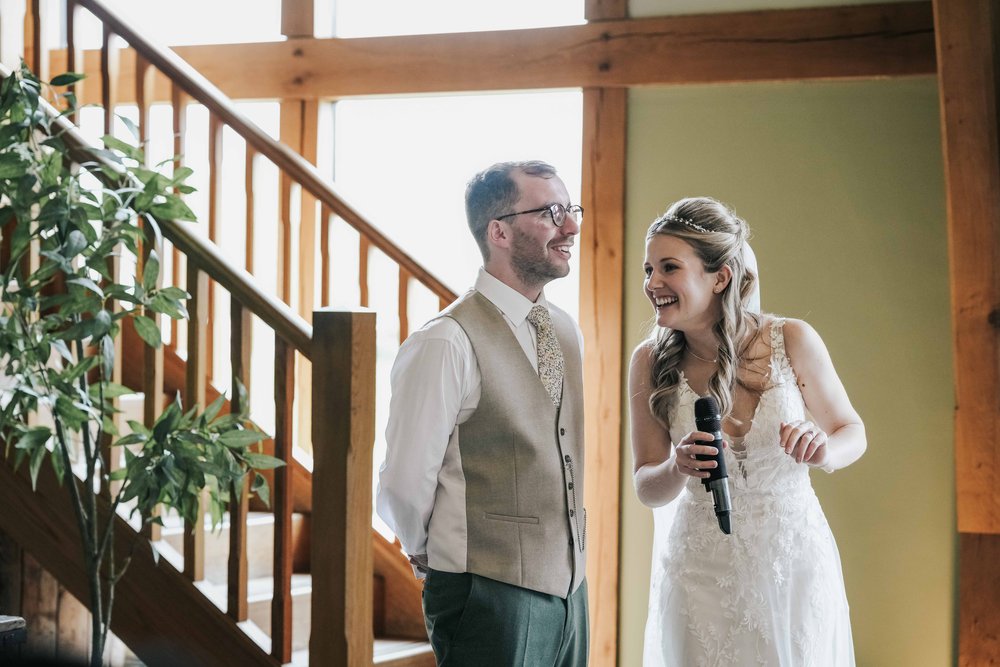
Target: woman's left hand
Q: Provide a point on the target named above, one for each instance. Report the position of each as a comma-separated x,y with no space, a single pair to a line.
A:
804,442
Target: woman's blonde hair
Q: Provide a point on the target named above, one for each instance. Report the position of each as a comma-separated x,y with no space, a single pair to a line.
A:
718,237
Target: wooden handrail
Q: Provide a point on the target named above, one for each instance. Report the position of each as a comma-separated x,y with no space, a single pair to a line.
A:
205,254
294,165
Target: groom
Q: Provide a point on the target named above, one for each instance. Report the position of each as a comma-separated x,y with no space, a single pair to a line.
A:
483,476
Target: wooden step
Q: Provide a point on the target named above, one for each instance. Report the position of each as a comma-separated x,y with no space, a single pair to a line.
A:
260,543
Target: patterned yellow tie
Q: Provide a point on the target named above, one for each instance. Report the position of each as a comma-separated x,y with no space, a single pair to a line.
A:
550,358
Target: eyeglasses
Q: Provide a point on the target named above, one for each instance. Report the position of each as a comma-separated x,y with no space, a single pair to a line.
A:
557,212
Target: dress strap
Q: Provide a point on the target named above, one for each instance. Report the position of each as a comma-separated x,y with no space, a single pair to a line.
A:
781,368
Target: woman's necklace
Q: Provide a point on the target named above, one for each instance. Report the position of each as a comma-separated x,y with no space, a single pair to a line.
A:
707,361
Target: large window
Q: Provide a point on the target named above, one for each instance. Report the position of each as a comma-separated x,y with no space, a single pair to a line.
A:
362,18
405,162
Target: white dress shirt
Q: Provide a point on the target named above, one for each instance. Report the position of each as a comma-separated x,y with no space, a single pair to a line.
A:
436,385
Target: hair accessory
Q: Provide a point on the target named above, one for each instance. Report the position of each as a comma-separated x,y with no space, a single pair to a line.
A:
670,217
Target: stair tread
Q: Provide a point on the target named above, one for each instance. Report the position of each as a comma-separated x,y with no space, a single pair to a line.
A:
384,651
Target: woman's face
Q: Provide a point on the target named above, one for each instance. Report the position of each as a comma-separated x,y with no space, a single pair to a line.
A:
682,293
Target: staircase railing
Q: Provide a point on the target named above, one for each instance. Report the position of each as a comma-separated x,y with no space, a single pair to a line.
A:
340,347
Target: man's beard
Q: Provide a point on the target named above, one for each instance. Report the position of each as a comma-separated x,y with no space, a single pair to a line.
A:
531,262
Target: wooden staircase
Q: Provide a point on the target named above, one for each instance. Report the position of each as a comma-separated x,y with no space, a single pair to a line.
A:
251,594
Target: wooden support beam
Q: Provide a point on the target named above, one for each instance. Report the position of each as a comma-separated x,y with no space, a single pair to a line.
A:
601,312
865,41
968,67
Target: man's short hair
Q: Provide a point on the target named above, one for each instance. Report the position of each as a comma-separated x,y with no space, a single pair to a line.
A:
492,193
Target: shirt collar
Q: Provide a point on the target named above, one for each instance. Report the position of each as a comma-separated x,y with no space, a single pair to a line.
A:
512,304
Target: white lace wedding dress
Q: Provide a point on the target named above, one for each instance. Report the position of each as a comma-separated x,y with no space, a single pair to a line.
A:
772,593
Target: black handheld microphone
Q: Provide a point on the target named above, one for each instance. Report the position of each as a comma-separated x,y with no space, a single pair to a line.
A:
707,418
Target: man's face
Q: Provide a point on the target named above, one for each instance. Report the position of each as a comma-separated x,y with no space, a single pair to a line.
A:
540,251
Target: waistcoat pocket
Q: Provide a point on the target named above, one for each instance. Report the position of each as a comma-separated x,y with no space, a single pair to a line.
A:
511,519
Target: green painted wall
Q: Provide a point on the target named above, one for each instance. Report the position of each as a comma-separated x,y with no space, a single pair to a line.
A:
842,185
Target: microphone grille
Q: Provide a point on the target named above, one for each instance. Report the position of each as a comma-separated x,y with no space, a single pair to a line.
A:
706,414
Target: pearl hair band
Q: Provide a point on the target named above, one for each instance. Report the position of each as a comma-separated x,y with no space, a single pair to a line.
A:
670,217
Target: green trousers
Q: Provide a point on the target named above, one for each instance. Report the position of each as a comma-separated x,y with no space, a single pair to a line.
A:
478,622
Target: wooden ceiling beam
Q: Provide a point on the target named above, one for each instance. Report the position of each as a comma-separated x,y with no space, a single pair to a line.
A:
868,41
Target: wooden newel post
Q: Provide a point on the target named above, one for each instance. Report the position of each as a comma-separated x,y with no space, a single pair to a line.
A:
343,432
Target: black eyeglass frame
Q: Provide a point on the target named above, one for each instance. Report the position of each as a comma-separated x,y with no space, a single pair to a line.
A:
554,210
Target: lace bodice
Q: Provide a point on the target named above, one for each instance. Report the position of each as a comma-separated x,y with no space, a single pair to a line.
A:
771,593
758,464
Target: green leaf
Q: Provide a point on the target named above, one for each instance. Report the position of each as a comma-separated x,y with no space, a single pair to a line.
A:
261,488
130,124
172,209
128,150
147,330
11,166
262,461
241,439
111,390
167,422
67,79
37,457
87,283
212,411
130,439
151,271
34,437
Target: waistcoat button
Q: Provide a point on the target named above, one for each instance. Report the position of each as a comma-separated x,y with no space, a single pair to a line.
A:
562,431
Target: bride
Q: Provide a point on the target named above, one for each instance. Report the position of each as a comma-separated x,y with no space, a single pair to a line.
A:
772,592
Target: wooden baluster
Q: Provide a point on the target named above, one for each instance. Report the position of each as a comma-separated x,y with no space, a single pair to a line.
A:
153,372
194,394
36,47
74,54
281,501
240,344
109,79
291,135
324,251
250,240
404,300
214,220
364,245
178,104
343,430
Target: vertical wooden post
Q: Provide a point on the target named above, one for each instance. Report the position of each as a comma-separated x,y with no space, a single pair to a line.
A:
241,342
364,248
324,253
343,434
966,32
403,304
215,210
601,311
251,210
152,357
194,394
36,46
178,105
74,53
281,501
